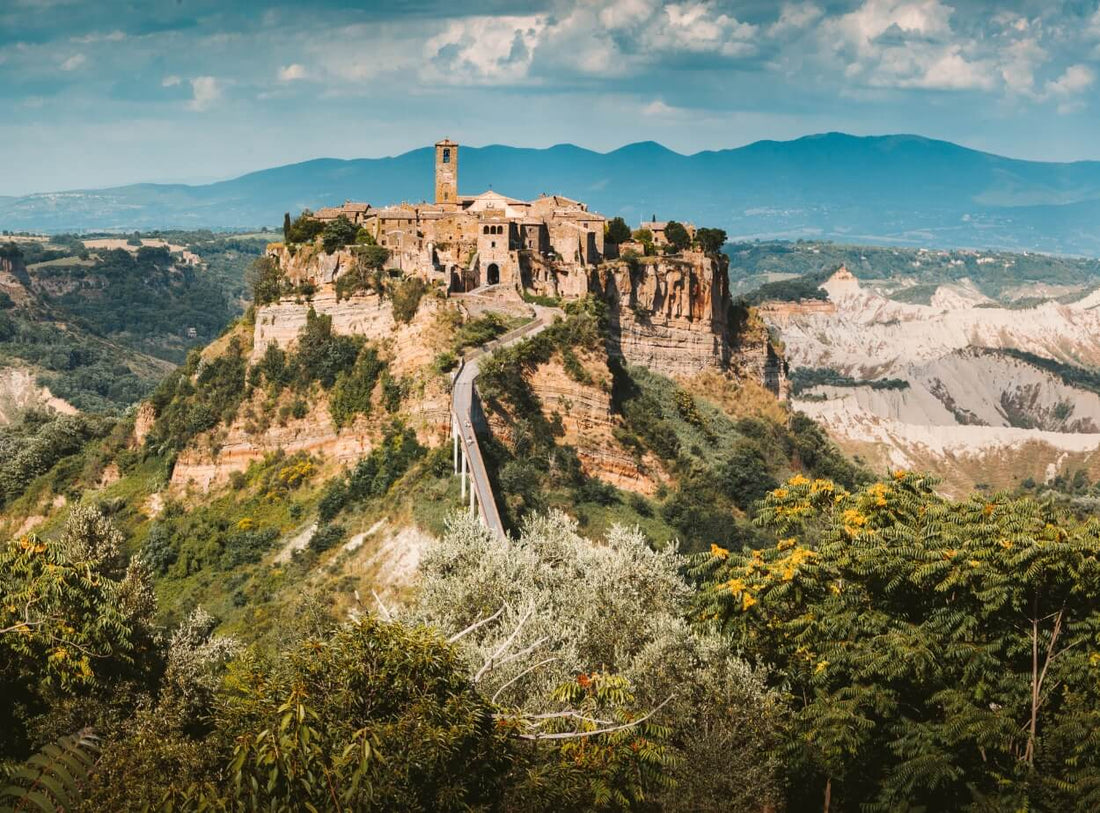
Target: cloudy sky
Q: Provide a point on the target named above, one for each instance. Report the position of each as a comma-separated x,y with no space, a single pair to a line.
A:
117,91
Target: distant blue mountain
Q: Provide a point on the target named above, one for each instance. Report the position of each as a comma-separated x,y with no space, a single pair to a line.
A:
899,189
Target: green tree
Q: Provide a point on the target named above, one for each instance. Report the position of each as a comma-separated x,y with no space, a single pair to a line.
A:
711,240
305,228
76,623
286,226
373,716
617,231
554,623
338,233
939,655
645,237
267,281
677,235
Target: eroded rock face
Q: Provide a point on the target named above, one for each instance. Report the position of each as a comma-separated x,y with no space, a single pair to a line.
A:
673,315
587,422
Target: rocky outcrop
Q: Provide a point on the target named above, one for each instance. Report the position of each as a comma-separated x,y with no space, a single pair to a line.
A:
674,316
584,413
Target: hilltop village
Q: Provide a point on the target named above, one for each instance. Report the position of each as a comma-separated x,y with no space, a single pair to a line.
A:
468,242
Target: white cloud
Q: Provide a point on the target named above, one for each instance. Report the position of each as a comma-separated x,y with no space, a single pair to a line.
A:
1019,62
95,36
205,91
698,28
170,81
292,72
1075,80
795,17
73,62
658,109
905,44
486,50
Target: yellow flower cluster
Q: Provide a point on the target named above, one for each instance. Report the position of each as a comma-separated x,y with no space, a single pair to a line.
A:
296,473
246,524
719,552
797,480
853,521
878,493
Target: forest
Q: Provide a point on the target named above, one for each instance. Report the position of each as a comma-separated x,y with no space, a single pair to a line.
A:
101,327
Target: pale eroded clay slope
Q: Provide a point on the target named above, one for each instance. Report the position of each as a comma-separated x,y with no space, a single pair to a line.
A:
970,413
868,336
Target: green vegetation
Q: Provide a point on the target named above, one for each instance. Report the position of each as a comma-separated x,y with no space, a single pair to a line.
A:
995,273
617,231
1070,375
406,296
806,378
710,240
305,228
789,290
102,327
267,281
677,236
338,233
374,474
38,443
935,653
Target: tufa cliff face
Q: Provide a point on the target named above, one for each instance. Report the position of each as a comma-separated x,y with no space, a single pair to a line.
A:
674,316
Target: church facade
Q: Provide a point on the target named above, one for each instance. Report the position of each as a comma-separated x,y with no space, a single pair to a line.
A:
469,242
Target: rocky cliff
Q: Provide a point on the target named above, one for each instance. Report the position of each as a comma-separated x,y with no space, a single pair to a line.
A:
674,316
587,420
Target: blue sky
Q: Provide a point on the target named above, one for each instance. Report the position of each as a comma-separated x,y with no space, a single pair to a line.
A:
118,91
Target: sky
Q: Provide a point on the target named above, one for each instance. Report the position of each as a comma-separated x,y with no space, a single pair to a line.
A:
112,92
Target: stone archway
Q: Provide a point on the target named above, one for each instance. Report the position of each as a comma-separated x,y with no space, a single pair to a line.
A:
492,274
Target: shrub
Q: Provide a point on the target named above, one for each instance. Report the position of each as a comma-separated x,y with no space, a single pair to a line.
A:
352,392
406,296
321,354
326,537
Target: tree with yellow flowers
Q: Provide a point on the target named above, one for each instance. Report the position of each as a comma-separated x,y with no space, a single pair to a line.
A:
937,655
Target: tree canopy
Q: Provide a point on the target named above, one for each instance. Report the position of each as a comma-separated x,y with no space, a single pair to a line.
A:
939,655
677,235
617,231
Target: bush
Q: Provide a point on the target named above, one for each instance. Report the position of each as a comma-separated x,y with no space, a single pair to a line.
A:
406,297
322,355
352,392
326,537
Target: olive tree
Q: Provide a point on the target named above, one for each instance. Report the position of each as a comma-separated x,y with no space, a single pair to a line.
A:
552,608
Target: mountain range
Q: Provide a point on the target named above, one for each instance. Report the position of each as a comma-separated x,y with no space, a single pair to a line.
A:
897,189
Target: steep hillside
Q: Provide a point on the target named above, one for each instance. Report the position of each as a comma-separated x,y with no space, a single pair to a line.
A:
308,448
897,189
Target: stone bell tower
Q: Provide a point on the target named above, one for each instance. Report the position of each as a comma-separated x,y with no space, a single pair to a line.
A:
446,171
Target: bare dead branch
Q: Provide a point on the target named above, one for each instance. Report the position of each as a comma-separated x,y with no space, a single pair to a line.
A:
526,671
385,610
573,735
485,667
477,625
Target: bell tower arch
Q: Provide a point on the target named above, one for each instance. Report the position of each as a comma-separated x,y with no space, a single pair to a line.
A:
446,171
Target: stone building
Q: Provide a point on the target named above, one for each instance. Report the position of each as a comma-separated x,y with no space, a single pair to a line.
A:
469,242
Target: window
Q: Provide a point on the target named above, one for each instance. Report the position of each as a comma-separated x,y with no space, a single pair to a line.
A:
493,244
446,155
